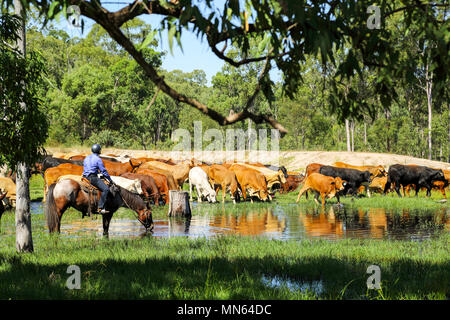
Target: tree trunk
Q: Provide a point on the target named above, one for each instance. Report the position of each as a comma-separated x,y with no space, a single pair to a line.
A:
352,130
347,129
179,204
387,114
429,85
365,134
24,240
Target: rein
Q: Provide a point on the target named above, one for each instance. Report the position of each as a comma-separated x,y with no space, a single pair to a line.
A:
126,203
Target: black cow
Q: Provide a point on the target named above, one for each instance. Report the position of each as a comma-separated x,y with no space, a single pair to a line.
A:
420,176
353,177
50,162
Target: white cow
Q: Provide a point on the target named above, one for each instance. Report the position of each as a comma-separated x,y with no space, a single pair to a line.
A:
128,184
199,179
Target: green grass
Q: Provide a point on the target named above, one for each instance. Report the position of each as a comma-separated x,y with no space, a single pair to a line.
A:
227,267
36,187
223,268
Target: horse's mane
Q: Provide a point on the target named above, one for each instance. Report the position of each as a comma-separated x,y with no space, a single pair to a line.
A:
131,199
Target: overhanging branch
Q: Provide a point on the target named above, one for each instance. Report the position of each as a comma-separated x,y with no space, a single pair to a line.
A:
112,26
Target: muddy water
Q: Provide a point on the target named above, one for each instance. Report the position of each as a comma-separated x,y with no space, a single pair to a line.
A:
285,222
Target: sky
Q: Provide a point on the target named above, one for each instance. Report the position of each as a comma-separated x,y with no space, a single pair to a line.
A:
196,53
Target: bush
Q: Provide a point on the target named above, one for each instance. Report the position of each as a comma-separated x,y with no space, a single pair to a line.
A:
106,138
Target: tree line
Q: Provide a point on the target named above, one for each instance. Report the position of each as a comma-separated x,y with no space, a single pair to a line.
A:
94,92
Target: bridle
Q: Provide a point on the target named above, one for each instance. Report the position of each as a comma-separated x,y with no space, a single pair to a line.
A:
128,206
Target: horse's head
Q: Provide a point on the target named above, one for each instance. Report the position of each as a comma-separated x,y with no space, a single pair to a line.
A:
145,217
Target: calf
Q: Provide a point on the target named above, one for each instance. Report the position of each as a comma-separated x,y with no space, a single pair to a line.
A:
199,179
221,177
378,184
161,182
353,177
324,185
252,181
292,183
420,176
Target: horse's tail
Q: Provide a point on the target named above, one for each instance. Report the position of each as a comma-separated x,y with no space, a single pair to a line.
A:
51,213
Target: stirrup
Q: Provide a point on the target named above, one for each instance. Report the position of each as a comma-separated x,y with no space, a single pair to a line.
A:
102,211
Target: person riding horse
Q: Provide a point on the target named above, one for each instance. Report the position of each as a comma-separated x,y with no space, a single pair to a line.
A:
93,164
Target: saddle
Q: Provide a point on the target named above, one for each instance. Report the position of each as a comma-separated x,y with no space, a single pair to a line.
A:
87,187
82,181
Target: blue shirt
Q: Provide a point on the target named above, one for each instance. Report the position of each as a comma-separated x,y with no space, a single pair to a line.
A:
93,164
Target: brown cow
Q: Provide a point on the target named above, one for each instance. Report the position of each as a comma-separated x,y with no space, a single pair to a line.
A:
51,175
313,168
377,184
205,168
180,171
437,185
292,183
149,188
8,186
221,177
118,168
169,176
272,177
324,185
161,182
252,181
167,161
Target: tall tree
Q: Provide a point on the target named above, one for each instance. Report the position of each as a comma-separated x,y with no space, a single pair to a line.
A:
24,240
23,126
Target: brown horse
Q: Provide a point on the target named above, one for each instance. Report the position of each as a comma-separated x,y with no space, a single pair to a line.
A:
68,193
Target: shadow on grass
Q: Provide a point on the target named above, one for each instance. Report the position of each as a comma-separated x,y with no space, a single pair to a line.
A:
175,276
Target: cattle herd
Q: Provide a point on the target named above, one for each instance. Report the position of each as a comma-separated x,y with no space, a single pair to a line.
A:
152,178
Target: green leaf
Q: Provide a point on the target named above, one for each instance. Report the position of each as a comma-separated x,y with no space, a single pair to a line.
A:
170,35
148,39
51,9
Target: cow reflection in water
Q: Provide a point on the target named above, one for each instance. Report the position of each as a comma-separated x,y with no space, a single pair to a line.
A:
373,223
250,223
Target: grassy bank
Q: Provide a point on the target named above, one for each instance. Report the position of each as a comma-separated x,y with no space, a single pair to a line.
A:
225,268
231,267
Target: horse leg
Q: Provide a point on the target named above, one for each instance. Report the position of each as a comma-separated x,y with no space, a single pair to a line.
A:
106,221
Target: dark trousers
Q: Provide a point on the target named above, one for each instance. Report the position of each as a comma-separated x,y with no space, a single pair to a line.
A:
96,181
